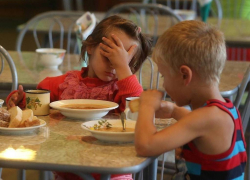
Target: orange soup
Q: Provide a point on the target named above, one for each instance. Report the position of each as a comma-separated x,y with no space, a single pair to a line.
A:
84,106
116,129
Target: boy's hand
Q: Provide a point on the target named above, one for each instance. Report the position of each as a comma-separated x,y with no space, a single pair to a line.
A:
118,56
151,98
165,111
15,98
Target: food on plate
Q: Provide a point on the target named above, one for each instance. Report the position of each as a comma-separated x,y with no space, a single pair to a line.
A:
4,117
28,119
104,125
84,106
15,118
116,129
134,105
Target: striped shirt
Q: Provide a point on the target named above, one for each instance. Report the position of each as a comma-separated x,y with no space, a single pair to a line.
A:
225,166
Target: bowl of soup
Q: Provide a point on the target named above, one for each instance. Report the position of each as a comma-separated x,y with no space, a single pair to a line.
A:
113,133
83,109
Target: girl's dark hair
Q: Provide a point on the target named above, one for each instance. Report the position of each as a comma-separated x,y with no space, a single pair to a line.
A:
132,30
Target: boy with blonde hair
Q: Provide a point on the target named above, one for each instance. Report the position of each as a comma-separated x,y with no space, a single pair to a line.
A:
191,56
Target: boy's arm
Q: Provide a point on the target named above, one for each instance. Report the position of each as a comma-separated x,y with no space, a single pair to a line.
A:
166,110
171,110
149,142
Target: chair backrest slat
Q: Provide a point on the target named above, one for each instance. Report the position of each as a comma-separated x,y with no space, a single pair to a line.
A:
59,27
4,54
245,109
215,10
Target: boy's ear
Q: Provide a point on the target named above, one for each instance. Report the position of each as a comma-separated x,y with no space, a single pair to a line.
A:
186,73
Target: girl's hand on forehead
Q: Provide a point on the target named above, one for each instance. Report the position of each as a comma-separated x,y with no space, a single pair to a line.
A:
116,53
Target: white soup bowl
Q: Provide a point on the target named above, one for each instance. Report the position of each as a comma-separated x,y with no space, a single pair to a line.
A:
51,58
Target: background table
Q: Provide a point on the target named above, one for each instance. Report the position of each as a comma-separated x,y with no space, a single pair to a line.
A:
30,72
236,31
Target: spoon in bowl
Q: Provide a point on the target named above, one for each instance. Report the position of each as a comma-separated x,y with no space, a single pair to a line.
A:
123,119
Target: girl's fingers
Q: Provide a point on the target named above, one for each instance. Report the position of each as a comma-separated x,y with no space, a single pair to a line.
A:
109,43
104,53
12,99
132,50
10,104
20,89
117,40
105,47
19,94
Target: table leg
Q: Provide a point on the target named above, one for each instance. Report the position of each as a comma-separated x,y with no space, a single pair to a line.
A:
105,177
84,176
44,175
21,174
138,176
150,172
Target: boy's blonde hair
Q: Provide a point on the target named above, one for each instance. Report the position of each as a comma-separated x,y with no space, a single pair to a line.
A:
195,44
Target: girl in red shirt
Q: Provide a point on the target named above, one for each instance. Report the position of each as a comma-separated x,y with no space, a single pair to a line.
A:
116,49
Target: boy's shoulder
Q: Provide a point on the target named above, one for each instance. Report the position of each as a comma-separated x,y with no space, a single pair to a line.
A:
205,115
206,118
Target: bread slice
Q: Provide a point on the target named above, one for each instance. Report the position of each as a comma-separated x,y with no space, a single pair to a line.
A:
15,116
27,118
4,115
134,105
4,123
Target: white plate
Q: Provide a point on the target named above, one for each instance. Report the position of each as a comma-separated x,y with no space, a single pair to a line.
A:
112,136
22,130
85,114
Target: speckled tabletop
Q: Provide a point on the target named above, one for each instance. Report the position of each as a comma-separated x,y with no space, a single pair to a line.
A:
31,72
64,146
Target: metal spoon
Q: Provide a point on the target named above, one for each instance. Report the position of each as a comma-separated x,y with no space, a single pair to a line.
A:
123,119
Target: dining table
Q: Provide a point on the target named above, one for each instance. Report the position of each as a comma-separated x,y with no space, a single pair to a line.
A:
63,145
30,72
235,30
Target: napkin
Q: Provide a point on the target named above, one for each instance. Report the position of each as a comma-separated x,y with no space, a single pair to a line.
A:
204,9
86,24
84,27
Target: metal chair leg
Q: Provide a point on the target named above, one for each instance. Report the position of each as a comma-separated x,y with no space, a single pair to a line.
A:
21,174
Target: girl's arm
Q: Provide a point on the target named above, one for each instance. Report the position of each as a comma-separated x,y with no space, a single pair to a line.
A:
128,87
52,84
